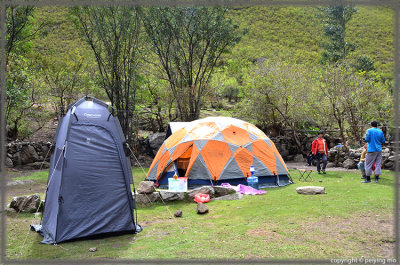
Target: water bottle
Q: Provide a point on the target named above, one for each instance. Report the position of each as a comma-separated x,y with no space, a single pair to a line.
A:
252,181
251,171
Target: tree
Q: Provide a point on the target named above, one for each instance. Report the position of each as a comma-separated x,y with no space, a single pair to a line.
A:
188,42
21,101
113,35
364,63
335,19
155,104
66,66
276,97
350,98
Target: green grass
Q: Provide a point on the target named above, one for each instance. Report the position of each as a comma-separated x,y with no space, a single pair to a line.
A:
351,220
39,176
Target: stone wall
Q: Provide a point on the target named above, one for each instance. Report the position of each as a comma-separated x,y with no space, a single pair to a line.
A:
349,158
286,145
289,150
32,154
29,154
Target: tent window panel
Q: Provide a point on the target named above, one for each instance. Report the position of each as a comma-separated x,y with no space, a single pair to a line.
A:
58,159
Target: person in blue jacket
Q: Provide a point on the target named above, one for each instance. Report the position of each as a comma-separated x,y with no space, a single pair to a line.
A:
375,139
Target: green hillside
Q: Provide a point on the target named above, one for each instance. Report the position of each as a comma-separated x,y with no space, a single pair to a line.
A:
285,33
295,33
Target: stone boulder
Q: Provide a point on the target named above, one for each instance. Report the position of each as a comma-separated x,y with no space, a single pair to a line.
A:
28,155
26,204
146,187
9,162
172,196
156,140
36,165
230,197
147,198
330,165
354,154
350,164
310,190
178,213
222,191
206,190
201,208
298,158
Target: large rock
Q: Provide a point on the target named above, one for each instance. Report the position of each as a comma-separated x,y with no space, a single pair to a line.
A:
350,164
388,165
146,187
222,191
310,190
28,204
37,165
330,165
172,196
201,208
156,140
9,162
299,158
206,190
230,197
147,198
178,213
354,154
28,155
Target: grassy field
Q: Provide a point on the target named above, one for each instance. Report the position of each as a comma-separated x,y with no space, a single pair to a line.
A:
351,220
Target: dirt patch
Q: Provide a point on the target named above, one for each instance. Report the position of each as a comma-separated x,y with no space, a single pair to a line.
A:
303,165
374,232
213,216
369,234
264,233
145,224
26,189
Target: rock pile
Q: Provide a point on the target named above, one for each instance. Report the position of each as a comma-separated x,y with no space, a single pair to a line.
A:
286,145
29,154
146,194
289,150
349,158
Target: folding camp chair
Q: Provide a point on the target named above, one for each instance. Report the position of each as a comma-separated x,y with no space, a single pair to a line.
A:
305,174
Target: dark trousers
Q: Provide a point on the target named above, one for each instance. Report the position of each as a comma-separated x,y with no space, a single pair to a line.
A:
320,156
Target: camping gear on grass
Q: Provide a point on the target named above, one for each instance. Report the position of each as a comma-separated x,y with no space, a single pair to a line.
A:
90,177
243,189
218,149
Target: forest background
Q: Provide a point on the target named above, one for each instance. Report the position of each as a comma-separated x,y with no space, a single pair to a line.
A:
285,69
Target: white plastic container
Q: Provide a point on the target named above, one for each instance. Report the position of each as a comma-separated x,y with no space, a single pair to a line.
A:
177,185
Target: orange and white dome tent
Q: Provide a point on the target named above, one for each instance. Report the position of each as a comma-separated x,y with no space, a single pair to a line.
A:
215,150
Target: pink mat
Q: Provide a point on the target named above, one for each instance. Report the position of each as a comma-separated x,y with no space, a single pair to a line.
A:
244,189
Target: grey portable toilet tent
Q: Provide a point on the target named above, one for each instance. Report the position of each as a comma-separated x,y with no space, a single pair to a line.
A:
89,186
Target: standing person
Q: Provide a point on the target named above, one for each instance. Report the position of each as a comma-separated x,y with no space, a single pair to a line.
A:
319,149
375,139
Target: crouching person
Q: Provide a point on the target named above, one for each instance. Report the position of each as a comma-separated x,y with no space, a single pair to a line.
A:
361,164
